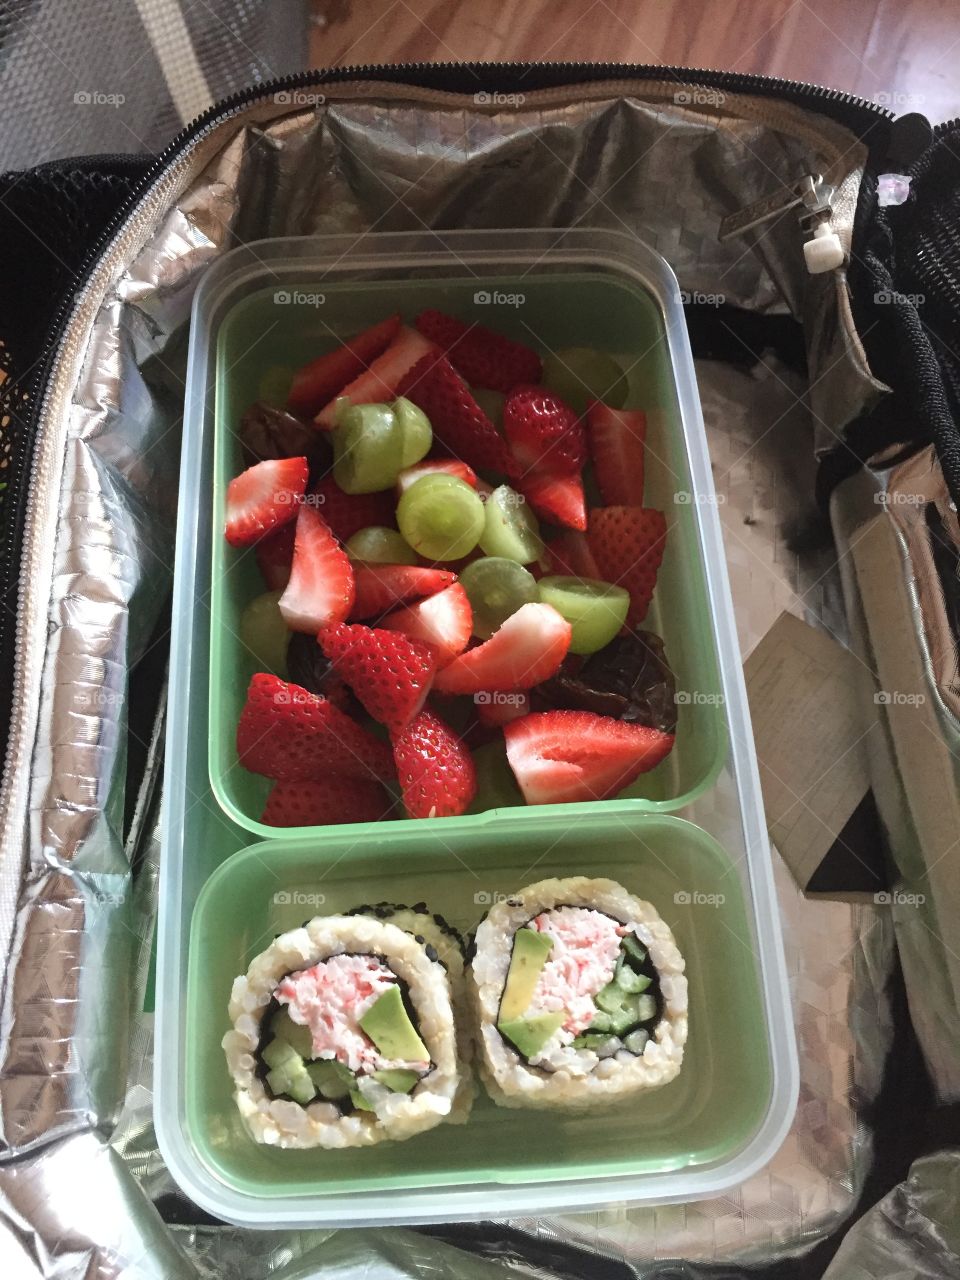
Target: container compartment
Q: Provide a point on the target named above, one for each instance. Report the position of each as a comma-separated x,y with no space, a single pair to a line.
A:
560,309
710,1112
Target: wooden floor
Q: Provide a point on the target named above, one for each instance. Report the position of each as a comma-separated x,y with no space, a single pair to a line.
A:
903,54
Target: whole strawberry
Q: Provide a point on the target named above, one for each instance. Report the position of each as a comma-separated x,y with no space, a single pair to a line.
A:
436,771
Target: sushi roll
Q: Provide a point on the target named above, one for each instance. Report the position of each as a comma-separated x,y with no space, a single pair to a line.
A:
579,996
343,1036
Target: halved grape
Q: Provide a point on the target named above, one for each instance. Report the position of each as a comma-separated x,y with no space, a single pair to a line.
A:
441,517
496,588
595,610
510,529
367,448
581,374
264,634
415,430
496,785
379,545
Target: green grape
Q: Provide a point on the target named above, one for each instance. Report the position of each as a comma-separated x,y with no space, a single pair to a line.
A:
416,434
274,386
367,448
441,517
581,374
496,588
379,545
264,634
491,402
595,610
510,528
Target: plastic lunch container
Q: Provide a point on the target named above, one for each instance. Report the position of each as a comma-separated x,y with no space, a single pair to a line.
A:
280,302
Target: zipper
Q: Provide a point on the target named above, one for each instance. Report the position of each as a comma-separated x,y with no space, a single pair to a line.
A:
869,122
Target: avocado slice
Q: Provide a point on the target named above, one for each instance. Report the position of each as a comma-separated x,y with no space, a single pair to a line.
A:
397,1078
300,1037
331,1078
387,1024
530,951
529,1035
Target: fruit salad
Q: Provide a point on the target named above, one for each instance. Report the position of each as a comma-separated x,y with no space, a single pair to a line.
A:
440,601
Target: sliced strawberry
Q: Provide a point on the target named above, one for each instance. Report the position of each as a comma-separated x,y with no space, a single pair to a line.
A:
616,438
318,382
527,648
326,802
390,673
263,498
445,466
443,621
499,708
435,769
275,555
348,513
381,381
287,733
569,554
484,358
543,432
564,756
458,421
627,544
320,591
559,499
381,586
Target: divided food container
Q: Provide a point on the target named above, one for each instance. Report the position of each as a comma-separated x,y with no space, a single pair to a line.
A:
229,883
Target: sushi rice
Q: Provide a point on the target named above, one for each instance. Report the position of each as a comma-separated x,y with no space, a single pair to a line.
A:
280,1121
561,1075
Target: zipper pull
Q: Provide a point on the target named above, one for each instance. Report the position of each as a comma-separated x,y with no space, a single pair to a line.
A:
813,199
